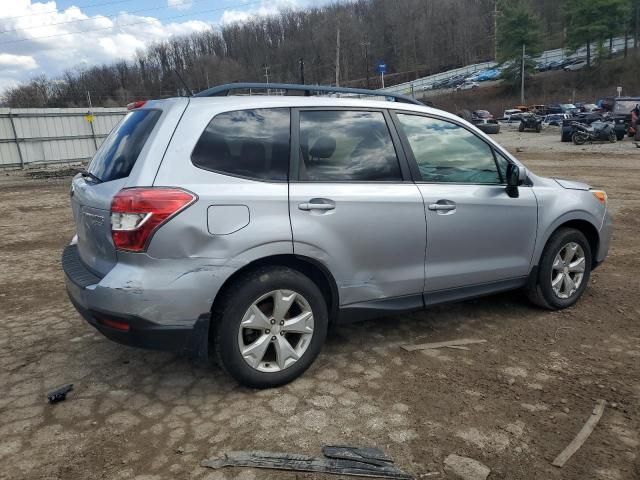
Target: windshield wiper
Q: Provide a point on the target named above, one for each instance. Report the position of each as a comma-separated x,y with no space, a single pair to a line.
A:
86,173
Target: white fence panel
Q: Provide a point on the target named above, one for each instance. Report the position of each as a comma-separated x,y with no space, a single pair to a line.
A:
53,135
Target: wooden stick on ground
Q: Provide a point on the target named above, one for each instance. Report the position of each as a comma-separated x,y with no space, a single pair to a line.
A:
582,435
454,343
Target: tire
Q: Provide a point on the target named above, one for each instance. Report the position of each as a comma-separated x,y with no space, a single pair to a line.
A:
542,292
565,137
578,138
636,136
269,371
521,127
613,137
538,128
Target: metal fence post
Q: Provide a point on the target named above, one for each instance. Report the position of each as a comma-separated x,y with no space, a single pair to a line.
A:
15,136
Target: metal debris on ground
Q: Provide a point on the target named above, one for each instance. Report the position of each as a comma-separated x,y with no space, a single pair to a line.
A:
449,344
60,393
582,435
337,460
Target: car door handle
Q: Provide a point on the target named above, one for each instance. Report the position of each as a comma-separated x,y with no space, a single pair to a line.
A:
442,207
316,206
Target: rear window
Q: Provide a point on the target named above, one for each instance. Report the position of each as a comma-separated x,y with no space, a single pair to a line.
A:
118,153
246,143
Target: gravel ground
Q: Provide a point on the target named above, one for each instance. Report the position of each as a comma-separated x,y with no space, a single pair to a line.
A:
512,403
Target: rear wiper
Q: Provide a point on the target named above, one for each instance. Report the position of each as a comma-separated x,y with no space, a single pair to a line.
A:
86,173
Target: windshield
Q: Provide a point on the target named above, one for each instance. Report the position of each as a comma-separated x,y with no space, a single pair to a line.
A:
625,106
118,153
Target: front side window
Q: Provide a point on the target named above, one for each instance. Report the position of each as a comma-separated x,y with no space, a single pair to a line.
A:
448,153
346,146
246,143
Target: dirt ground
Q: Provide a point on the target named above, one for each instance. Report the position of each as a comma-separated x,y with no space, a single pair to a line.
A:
512,403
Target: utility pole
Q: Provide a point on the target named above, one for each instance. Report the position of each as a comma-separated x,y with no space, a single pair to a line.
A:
301,62
495,30
338,58
366,60
90,119
522,78
636,27
266,72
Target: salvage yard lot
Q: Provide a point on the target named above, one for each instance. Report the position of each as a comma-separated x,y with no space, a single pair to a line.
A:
512,403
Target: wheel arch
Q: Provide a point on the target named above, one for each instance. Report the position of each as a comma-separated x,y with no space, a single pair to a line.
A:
310,267
586,227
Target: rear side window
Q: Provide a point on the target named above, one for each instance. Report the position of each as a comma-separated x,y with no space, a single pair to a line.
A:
118,153
246,143
346,146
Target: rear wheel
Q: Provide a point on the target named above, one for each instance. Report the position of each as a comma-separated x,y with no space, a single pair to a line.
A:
270,327
613,138
564,270
521,127
579,138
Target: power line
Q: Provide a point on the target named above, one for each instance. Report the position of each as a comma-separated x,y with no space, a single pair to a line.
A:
20,29
127,24
48,12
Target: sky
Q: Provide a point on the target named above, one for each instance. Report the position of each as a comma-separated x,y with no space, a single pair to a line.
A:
48,37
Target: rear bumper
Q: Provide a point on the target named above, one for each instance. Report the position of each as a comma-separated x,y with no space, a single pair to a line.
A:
189,336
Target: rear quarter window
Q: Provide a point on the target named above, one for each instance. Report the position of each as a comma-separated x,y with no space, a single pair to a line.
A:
118,153
246,143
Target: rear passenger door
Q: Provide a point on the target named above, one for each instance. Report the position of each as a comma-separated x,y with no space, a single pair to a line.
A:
353,205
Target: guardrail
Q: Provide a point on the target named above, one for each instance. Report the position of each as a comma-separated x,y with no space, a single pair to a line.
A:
43,136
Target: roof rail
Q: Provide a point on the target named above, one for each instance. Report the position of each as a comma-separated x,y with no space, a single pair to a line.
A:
222,90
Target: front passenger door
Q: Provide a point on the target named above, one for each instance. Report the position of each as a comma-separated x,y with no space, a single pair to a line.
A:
476,233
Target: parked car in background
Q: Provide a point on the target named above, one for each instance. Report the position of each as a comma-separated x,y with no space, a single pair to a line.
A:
622,108
487,75
467,85
243,226
589,108
575,66
484,114
555,119
569,108
512,114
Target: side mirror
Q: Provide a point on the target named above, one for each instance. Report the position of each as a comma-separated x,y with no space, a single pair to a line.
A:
515,176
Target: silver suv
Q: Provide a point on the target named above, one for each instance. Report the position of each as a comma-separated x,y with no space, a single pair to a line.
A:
246,225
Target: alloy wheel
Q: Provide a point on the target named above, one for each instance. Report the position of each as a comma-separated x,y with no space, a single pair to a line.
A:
567,270
275,331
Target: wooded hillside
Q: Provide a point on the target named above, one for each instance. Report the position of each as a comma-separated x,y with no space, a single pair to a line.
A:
413,37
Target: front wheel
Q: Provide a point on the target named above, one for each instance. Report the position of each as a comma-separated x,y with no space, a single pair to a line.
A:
613,138
563,271
270,327
521,127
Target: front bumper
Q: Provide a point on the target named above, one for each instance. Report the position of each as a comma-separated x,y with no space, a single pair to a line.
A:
189,337
606,230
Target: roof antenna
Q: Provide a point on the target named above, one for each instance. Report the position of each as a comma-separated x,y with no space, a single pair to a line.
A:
183,82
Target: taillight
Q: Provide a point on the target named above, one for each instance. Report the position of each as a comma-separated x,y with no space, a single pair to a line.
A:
136,213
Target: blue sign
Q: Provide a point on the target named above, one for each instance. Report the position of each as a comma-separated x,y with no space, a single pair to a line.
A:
382,67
